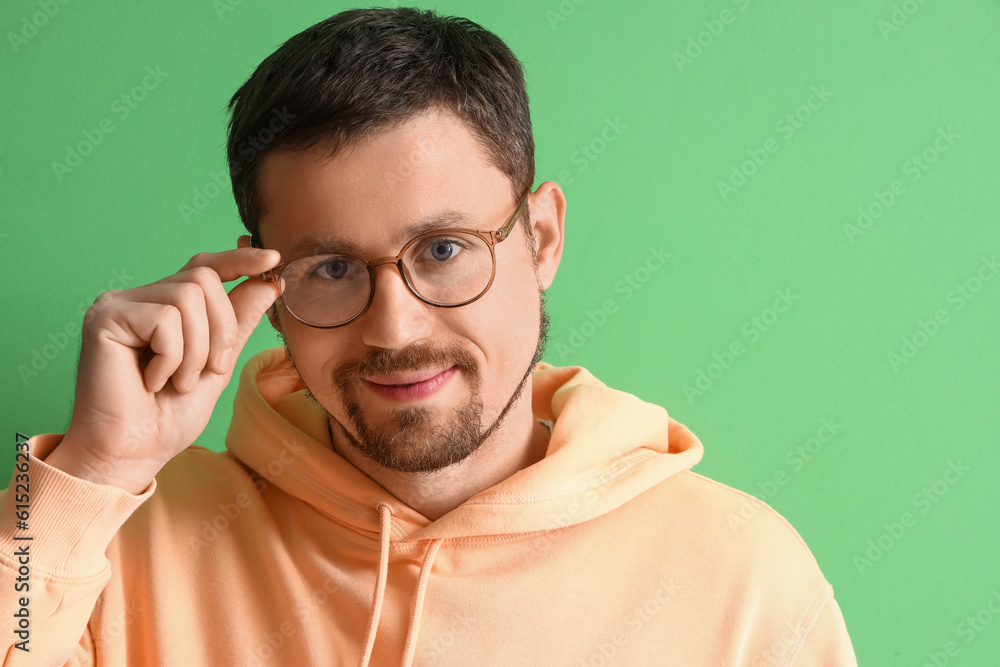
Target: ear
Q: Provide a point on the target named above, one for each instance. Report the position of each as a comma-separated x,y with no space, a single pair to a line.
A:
548,217
272,312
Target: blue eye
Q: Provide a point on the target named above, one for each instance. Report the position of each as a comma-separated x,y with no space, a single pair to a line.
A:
442,250
332,269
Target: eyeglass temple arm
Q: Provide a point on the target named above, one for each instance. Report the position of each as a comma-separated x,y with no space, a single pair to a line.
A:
502,233
271,275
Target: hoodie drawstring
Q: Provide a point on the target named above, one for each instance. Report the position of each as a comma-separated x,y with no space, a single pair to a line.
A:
385,516
378,597
418,603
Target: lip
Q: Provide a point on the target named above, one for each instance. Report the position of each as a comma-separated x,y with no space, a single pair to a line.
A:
409,386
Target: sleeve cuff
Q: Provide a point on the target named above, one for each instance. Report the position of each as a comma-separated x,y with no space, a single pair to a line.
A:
70,521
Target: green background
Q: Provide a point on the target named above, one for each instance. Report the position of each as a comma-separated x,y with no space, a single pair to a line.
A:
640,140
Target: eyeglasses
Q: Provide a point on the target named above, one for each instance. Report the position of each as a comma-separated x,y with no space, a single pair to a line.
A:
446,268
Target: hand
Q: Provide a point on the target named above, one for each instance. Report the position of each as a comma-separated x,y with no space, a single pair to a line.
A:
154,361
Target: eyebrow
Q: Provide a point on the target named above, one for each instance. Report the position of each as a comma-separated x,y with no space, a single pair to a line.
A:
312,245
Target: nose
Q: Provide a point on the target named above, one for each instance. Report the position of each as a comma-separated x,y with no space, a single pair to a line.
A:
395,318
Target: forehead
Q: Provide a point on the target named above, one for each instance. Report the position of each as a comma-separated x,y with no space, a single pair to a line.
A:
377,192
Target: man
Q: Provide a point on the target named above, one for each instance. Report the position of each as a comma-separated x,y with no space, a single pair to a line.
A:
404,483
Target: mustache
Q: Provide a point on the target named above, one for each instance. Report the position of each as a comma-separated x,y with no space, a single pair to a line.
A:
412,358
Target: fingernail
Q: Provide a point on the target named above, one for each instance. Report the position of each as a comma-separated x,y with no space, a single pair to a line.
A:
222,362
265,252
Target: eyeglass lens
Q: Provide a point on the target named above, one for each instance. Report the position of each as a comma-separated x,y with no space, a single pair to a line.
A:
445,269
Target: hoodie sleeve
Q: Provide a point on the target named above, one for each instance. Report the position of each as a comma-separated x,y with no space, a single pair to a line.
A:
52,572
827,644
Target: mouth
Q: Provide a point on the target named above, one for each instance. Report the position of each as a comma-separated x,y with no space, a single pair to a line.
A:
408,386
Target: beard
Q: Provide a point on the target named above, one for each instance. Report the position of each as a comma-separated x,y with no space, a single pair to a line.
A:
417,439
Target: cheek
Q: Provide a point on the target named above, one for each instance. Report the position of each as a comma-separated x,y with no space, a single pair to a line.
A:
315,352
510,312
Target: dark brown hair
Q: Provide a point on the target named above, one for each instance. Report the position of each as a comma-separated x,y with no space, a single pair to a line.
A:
366,70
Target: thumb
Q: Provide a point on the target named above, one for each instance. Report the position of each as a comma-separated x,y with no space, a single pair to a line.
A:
250,299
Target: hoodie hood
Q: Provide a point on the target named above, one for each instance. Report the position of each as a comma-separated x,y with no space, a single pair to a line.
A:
606,447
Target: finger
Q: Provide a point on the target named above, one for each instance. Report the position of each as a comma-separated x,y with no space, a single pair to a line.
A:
188,297
250,299
236,263
166,340
139,326
194,326
222,324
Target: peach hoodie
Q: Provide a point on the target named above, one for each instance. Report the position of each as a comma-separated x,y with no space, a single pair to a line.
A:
608,551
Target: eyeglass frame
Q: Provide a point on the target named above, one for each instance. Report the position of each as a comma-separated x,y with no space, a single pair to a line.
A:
491,238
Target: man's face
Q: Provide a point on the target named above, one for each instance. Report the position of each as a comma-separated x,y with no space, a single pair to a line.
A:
414,387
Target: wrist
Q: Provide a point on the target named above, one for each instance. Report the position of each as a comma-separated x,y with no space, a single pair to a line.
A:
72,463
